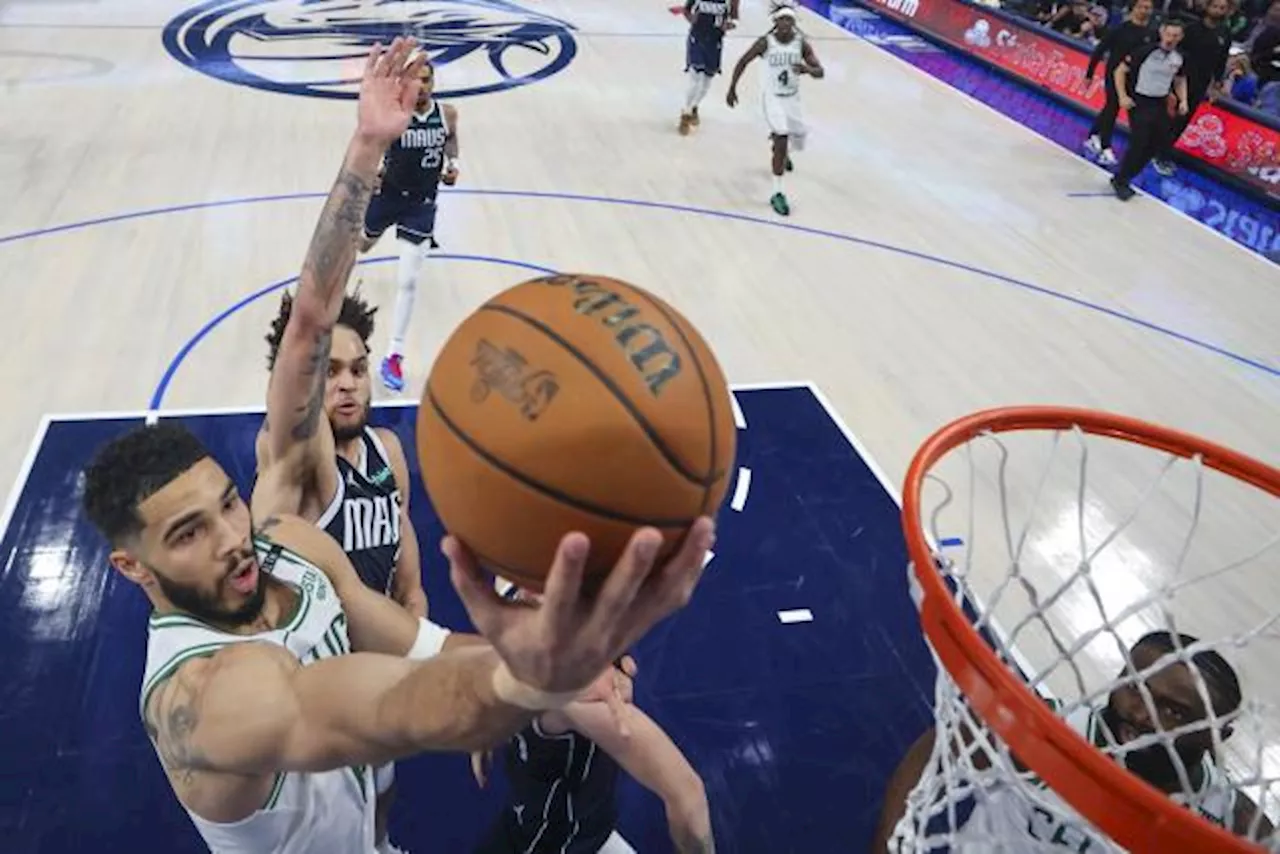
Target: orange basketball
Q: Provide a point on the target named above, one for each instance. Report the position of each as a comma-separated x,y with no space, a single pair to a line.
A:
573,403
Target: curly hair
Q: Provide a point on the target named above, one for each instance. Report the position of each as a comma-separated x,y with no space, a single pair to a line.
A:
130,469
356,315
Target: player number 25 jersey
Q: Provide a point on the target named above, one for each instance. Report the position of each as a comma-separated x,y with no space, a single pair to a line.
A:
415,160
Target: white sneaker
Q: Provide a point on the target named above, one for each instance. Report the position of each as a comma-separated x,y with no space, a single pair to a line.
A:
1107,157
1093,145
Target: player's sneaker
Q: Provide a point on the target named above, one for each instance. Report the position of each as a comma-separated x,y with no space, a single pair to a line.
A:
1107,158
686,122
779,204
393,372
693,118
789,166
1093,145
1123,191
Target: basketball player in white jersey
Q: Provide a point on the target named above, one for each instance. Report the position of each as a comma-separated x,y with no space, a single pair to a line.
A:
1021,825
274,678
317,456
416,163
787,55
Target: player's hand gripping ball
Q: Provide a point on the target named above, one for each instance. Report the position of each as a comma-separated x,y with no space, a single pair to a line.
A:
573,403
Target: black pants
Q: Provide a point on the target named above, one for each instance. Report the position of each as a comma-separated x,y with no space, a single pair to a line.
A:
1148,134
1104,125
1196,92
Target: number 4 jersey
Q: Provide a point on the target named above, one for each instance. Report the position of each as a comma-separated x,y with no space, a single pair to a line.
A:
780,60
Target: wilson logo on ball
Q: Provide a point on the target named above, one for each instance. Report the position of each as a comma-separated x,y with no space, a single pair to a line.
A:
644,345
507,372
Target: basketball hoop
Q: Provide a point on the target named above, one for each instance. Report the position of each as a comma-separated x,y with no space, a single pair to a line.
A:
991,701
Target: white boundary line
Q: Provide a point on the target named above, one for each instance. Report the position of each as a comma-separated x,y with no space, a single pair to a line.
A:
1021,660
24,472
1009,119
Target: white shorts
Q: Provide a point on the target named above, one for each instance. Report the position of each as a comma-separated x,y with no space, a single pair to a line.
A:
784,117
383,777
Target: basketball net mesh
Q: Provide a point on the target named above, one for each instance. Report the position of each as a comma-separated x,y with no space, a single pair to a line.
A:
1074,545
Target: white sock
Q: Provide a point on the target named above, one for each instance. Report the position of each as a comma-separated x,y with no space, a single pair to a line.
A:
703,87
691,97
777,183
406,288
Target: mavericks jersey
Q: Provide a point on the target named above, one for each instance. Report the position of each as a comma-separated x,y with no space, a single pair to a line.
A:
414,162
708,19
562,792
364,515
780,59
1004,820
319,813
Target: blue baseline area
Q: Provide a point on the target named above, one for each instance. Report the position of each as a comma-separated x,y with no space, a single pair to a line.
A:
795,728
1243,219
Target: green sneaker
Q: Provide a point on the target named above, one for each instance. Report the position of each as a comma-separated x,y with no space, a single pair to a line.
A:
779,203
790,166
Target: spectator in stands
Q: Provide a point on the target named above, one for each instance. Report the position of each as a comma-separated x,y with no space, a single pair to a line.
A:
1237,23
1072,20
1117,43
1241,82
1264,54
1271,18
1144,80
1204,49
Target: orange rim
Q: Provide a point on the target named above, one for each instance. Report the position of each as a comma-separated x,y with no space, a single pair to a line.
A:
1131,812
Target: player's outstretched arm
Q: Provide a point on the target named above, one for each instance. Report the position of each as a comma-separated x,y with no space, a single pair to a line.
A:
650,756
253,709
757,49
295,392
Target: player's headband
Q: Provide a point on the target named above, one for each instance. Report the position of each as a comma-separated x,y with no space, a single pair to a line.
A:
784,12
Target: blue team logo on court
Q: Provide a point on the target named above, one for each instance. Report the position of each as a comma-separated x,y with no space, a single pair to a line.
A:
317,47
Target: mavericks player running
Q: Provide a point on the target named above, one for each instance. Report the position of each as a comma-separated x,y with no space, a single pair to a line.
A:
787,55
425,155
708,21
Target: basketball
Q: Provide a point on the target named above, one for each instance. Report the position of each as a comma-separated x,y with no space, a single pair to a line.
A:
573,403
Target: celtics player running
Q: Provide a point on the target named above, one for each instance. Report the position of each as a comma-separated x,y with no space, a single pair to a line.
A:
424,155
338,472
787,55
1176,703
264,719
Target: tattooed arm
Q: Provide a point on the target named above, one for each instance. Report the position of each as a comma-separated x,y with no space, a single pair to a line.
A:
296,438
252,710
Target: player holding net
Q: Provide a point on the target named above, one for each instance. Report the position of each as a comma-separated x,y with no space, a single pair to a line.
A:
1036,746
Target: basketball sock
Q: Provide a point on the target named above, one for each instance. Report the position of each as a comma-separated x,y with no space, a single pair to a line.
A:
777,183
700,92
406,288
692,97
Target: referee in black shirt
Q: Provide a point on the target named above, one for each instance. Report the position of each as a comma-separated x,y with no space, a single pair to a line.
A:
1204,48
1117,43
1144,80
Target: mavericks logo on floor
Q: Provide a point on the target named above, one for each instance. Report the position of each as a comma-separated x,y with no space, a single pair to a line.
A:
317,47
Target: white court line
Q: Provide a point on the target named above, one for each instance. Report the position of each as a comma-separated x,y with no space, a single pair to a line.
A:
740,489
739,420
1075,155
913,586
24,472
795,615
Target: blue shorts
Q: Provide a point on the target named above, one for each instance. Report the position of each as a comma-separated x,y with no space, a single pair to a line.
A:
413,215
703,55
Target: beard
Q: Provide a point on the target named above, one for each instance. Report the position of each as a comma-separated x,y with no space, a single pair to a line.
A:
353,430
206,606
1155,764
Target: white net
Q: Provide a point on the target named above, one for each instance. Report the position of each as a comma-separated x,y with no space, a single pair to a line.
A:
1138,594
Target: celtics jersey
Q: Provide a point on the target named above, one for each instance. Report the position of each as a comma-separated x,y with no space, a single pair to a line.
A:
364,514
315,813
778,69
1004,820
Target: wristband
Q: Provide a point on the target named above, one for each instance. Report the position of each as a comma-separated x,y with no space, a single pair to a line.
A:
430,640
513,692
451,163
